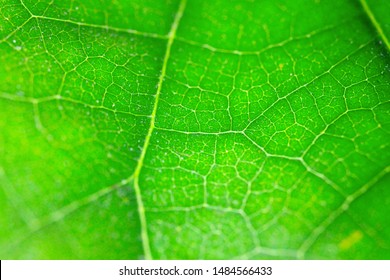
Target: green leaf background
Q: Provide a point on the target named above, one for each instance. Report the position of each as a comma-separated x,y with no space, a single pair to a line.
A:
194,129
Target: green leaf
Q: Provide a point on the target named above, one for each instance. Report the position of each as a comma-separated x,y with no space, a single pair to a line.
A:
206,129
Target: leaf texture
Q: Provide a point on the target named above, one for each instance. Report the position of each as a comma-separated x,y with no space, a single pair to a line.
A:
194,129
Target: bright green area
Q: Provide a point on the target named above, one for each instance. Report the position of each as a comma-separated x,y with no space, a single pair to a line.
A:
194,130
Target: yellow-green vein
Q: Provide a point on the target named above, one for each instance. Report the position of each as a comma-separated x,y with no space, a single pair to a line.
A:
141,208
375,23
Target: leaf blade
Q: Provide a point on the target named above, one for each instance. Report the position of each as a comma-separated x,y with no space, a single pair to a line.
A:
271,116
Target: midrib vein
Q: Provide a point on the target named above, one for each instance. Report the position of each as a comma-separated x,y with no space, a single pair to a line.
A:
376,24
141,208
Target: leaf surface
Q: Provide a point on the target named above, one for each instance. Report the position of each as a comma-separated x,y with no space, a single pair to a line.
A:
194,129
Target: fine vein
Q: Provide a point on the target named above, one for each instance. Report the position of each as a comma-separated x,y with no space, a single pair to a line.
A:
141,208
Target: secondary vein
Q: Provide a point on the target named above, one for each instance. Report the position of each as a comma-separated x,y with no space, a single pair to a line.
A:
141,208
375,23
